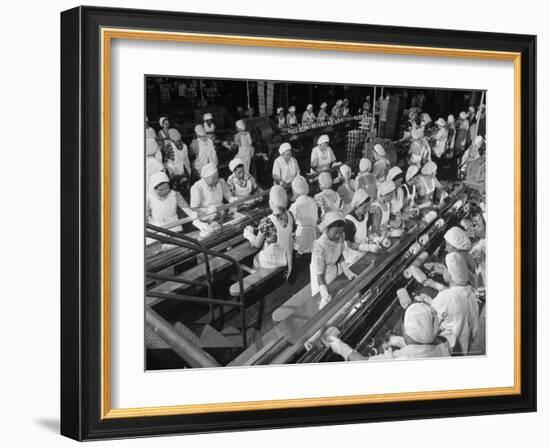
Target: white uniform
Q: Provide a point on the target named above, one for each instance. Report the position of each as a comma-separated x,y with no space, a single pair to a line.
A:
152,166
385,213
458,313
440,142
429,189
351,255
205,154
398,202
246,150
275,255
323,159
203,196
285,171
305,213
324,260
181,163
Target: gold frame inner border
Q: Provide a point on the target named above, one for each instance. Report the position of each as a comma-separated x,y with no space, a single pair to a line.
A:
107,35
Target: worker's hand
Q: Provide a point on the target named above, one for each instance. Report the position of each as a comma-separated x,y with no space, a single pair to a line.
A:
404,298
339,347
423,298
211,209
397,341
248,233
288,273
325,296
396,233
369,247
418,274
347,271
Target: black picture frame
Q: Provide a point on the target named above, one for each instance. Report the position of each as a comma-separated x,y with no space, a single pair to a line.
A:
81,223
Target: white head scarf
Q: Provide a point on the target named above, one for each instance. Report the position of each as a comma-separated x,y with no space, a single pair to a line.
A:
280,109
278,196
300,186
325,180
463,115
323,139
420,323
379,149
324,105
157,178
345,170
174,134
385,188
440,122
365,165
240,125
284,148
234,163
457,237
292,109
451,119
199,130
411,172
161,120
329,218
207,116
394,172
359,197
208,170
309,107
429,168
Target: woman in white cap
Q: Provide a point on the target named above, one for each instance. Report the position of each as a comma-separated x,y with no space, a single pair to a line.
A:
243,140
163,136
322,155
451,132
177,157
419,150
380,210
322,116
461,132
305,212
162,202
440,138
327,258
328,199
398,203
426,185
285,166
209,126
203,149
308,117
291,118
347,189
409,187
280,118
365,179
240,183
152,163
274,234
336,111
355,230
419,340
208,193
379,156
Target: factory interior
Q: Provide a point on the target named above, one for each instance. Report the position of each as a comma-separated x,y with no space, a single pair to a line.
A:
290,223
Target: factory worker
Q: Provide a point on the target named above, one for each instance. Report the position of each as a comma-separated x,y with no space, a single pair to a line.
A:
355,230
280,119
419,151
240,183
365,179
322,155
322,116
440,138
367,105
209,126
347,189
419,340
409,187
163,136
327,257
206,195
328,199
457,307
285,166
162,203
149,131
152,163
308,117
274,235
345,107
395,174
291,118
243,140
379,155
305,213
426,185
472,153
336,111
177,156
380,209
461,132
203,149
451,132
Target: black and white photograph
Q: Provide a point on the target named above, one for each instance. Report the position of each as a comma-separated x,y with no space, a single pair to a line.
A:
292,222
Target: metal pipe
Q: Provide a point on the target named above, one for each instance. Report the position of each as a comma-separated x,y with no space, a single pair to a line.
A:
162,277
373,111
380,112
193,299
192,354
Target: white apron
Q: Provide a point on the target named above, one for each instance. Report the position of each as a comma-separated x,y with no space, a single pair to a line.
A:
385,214
275,255
410,195
287,170
207,154
246,150
324,159
330,274
304,210
163,212
350,255
397,202
241,191
428,195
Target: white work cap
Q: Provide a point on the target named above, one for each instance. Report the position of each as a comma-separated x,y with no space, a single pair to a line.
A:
199,130
457,268
345,170
379,169
157,178
440,122
458,238
162,119
411,172
379,149
240,125
278,196
386,188
151,146
330,218
285,147
324,105
209,170
451,119
325,180
339,102
309,107
292,109
472,109
323,139
280,109
234,163
429,168
421,323
174,134
207,116
365,165
463,115
300,186
359,197
394,172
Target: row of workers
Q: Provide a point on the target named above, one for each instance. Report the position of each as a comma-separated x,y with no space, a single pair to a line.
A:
340,109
